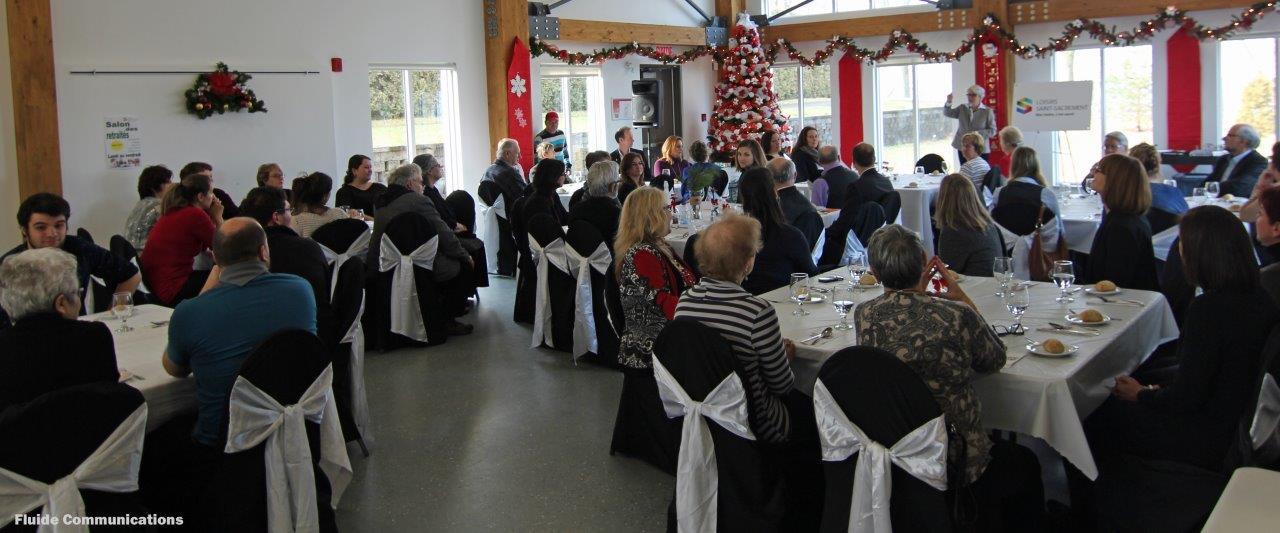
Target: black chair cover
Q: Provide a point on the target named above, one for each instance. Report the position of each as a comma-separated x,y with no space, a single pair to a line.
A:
691,258
750,492
887,400
993,180
810,224
892,204
577,196
613,298
490,192
347,298
1140,494
84,234
932,163
1020,218
526,276
407,231
560,286
1173,283
122,248
585,239
464,207
862,219
47,438
1161,220
1242,453
339,234
283,366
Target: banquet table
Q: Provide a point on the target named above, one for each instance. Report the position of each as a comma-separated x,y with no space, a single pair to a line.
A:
918,192
680,233
138,353
1042,397
1247,504
1082,214
566,192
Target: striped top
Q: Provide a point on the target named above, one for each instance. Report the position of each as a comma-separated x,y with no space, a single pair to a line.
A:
306,223
751,327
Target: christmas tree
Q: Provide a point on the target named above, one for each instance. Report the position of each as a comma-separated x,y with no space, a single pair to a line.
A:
745,105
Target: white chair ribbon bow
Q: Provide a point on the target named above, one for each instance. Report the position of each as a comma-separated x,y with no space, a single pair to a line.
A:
358,248
921,453
489,232
112,467
406,314
584,320
291,491
359,398
697,480
1264,432
552,254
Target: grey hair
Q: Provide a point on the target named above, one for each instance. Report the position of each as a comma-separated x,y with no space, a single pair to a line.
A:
783,170
1249,134
896,256
978,90
600,177
403,174
1119,137
505,145
828,154
32,280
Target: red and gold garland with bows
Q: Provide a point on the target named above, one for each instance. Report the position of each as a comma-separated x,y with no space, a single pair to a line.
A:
221,91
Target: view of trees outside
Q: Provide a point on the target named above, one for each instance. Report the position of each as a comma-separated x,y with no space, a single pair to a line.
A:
1248,94
816,110
822,7
911,100
387,111
1124,74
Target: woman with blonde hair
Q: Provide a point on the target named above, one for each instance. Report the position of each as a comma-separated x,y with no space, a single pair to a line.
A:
669,169
968,240
975,168
1122,251
1164,197
650,280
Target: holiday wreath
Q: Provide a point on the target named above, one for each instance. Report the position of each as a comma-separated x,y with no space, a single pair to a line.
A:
221,91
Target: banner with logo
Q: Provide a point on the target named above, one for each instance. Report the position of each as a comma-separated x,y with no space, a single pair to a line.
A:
1053,106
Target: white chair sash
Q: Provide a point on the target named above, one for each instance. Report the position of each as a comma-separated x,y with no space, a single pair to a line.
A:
488,230
585,338
255,417
359,397
1163,242
406,315
553,254
921,453
852,248
358,248
1264,432
816,252
697,480
112,467
1022,247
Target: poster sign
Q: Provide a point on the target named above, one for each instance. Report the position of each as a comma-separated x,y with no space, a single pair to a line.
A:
621,109
123,138
1053,106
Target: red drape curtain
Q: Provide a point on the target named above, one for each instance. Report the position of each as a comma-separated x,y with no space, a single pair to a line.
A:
520,103
1184,90
990,71
850,81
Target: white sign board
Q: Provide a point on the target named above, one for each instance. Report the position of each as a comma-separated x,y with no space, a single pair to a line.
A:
123,139
1053,106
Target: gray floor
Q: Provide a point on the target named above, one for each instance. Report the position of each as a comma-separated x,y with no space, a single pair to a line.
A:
486,434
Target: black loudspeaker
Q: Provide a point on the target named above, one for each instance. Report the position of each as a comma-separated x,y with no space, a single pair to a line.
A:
646,98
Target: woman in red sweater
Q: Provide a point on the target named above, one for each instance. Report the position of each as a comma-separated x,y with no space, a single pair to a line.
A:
189,214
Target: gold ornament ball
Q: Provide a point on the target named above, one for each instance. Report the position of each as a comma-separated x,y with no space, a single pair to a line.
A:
225,107
199,107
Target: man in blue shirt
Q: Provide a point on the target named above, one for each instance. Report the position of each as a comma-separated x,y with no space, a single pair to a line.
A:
242,305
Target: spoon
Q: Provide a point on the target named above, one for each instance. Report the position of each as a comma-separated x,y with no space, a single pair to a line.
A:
824,334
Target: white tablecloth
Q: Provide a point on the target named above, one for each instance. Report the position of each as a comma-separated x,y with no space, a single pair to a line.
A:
567,194
1247,504
139,351
680,233
915,204
1045,398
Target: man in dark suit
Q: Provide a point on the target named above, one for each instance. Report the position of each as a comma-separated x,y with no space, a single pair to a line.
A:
829,189
432,173
797,210
505,173
625,141
1238,171
870,185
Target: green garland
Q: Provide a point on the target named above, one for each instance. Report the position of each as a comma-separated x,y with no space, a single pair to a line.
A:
221,91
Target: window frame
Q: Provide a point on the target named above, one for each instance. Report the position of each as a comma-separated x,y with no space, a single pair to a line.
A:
595,104
1101,89
833,90
450,119
832,10
1219,129
878,124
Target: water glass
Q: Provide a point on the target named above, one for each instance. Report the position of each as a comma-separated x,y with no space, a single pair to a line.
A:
122,308
800,292
1016,300
842,300
1088,186
1211,190
1064,274
1197,192
919,171
857,267
1003,270
1171,183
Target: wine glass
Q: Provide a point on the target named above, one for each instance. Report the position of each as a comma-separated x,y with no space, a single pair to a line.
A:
1003,270
1171,183
857,267
1088,186
1064,273
800,292
842,300
122,308
1211,190
1016,299
919,171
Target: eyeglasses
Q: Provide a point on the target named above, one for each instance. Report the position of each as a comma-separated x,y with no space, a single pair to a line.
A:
971,94
1003,331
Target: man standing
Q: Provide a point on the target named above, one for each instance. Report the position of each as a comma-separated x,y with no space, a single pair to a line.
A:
1238,171
626,142
974,116
829,189
552,134
796,208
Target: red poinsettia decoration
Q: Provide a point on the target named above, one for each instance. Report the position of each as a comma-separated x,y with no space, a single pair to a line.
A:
221,91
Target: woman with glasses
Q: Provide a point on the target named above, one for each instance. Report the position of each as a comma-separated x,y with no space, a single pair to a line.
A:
973,116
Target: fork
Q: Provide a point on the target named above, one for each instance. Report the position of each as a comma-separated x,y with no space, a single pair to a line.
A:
1119,301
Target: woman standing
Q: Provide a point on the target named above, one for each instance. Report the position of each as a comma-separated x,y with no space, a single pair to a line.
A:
1122,251
968,240
669,169
358,190
650,280
310,210
190,213
632,169
805,155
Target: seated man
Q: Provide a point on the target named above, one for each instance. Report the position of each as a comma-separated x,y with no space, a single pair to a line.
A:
47,348
433,172
453,264
829,189
871,186
795,205
42,218
1239,169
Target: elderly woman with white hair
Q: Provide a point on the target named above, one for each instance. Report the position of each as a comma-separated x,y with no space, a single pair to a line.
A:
600,208
47,349
974,117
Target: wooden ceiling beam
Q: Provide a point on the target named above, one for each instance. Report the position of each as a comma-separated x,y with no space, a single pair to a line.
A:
594,31
953,19
1065,10
35,97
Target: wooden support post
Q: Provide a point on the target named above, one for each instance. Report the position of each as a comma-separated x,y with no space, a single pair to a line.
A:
35,99
504,21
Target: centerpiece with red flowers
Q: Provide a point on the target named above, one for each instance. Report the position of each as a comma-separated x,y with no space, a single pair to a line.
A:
221,91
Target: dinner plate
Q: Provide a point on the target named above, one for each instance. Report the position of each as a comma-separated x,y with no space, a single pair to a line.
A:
1074,319
814,299
862,287
1096,292
1037,348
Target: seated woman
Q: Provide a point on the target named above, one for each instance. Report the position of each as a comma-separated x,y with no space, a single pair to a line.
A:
747,156
975,168
669,169
600,207
650,278
151,186
1122,250
47,349
632,170
1164,197
359,191
1268,225
189,215
1268,254
1027,185
968,240
541,197
1193,417
271,175
805,155
310,211
785,250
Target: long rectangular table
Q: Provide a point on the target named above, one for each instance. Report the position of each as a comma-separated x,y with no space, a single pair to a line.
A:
138,352
680,233
1044,398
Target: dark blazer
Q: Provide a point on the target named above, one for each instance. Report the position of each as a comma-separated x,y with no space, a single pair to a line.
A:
794,208
602,213
838,180
300,256
508,179
1242,178
45,352
648,169
784,253
807,168
870,187
229,209
1271,282
1122,252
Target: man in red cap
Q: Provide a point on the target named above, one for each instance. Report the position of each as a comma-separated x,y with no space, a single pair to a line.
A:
552,134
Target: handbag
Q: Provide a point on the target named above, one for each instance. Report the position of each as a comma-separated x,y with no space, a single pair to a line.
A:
1039,261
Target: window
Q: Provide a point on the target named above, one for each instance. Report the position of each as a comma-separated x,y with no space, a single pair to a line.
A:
415,111
804,95
1248,90
1121,102
825,7
582,120
909,102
